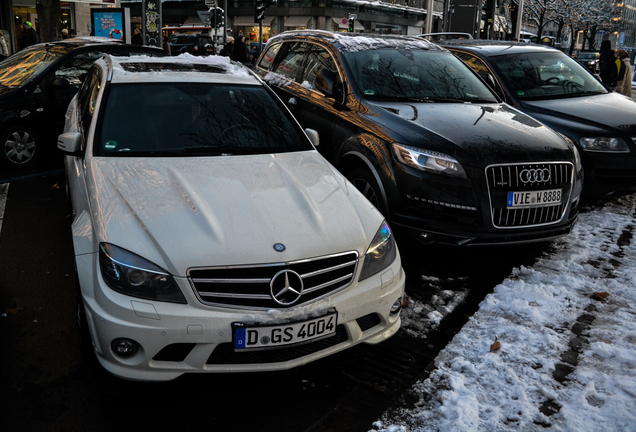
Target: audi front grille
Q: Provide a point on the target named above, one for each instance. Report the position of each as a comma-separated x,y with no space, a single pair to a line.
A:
250,287
506,178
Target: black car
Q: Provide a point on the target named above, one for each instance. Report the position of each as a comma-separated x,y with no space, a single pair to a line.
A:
591,60
556,90
36,86
425,139
195,44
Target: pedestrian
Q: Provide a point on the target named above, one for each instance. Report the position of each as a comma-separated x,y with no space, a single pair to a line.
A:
72,33
137,38
28,36
624,86
166,45
65,34
228,49
608,70
240,55
4,50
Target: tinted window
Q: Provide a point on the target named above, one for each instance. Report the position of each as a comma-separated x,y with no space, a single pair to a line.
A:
292,59
269,56
76,68
546,76
421,74
194,119
318,58
28,64
87,98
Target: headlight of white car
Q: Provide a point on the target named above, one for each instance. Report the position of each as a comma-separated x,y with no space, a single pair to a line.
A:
130,274
380,254
429,161
604,144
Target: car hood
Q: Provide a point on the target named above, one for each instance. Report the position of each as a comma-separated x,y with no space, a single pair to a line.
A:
476,134
606,111
209,211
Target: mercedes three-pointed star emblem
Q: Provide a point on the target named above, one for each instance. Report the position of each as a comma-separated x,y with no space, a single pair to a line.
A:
286,287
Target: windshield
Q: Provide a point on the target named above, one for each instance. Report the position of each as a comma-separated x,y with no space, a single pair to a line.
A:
193,119
587,56
415,74
28,64
537,76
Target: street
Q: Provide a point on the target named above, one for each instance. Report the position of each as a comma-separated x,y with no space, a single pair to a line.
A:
50,381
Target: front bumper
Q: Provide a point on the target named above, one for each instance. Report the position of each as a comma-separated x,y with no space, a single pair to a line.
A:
174,339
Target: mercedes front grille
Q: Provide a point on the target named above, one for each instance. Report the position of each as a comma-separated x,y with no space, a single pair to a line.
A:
249,287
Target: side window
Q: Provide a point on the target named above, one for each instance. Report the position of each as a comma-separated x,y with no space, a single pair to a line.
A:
482,70
87,98
318,58
292,60
76,68
270,56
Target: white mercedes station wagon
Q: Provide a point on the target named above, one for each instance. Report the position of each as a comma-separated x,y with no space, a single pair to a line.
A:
209,234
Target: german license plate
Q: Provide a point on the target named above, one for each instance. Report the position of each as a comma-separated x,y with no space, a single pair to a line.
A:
540,198
267,337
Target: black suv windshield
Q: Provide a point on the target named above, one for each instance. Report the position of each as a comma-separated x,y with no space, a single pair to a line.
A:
27,64
538,76
193,119
415,74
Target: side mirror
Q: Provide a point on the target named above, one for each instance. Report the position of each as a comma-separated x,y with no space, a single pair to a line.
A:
326,84
313,136
70,143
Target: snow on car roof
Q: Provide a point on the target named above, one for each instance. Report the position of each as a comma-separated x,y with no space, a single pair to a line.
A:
354,42
210,68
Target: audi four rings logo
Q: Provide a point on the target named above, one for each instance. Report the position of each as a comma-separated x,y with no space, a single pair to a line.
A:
537,175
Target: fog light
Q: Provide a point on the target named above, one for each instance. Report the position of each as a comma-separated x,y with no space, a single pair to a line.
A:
124,347
397,306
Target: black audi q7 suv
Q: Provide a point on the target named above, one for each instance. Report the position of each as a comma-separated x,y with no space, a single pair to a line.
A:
425,139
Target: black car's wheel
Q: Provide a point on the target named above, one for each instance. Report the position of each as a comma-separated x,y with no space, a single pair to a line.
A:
20,147
366,183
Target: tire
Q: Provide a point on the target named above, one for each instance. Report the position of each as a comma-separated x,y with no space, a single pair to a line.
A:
366,183
19,147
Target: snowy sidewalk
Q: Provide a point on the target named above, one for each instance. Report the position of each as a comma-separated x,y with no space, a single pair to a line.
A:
566,359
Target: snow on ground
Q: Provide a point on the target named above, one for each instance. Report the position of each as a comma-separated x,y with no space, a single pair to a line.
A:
546,318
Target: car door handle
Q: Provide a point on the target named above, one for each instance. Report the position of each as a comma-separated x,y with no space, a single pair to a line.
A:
291,103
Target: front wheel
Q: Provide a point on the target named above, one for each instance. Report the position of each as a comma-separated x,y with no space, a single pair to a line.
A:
366,183
20,147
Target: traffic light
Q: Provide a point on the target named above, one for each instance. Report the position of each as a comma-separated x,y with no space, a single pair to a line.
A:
259,10
351,21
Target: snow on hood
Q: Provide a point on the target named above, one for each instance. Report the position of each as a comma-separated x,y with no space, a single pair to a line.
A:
229,210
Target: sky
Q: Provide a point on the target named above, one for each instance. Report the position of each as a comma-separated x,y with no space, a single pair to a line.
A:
552,348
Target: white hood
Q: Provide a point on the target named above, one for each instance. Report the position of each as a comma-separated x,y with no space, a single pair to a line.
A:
228,210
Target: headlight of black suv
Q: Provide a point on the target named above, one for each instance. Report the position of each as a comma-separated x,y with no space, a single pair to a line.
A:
380,254
429,161
130,274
